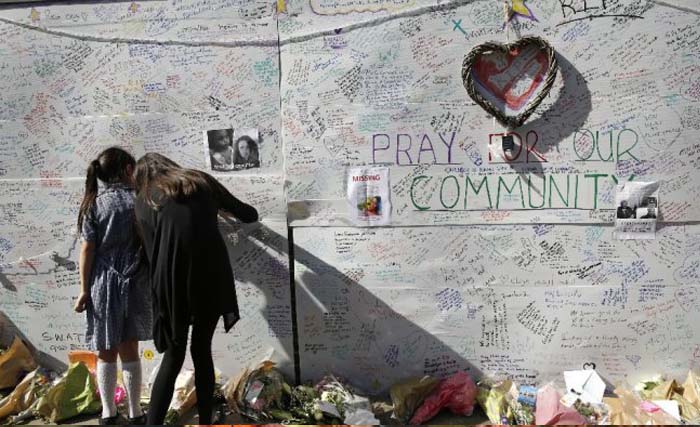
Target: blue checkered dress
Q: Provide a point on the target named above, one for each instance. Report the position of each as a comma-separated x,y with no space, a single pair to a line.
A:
120,297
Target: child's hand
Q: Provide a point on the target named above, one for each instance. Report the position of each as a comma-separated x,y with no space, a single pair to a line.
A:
81,303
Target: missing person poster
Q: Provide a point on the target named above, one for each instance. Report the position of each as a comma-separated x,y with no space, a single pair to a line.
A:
637,205
369,196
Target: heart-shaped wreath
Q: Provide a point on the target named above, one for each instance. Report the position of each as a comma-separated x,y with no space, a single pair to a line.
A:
510,81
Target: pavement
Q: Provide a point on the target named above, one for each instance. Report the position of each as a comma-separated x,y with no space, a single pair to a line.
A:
443,418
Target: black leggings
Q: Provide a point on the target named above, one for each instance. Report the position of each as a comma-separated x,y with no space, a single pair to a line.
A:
174,357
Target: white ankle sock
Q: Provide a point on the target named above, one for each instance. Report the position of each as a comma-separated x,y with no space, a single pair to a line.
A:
107,383
131,374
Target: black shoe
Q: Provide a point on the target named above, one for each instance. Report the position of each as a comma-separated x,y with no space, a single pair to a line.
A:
138,421
219,416
111,421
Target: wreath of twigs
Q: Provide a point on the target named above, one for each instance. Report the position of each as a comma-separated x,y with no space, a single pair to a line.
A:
470,84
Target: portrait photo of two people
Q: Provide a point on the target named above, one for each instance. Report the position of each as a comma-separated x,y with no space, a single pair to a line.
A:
230,150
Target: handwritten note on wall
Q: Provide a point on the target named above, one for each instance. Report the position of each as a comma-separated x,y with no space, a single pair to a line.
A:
333,7
522,301
358,83
379,305
69,92
39,276
391,94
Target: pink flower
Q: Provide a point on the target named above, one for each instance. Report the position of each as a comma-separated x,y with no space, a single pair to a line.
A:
119,395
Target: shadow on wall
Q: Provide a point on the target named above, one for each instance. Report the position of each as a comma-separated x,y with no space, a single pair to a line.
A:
362,336
6,283
8,331
59,262
354,333
560,120
248,246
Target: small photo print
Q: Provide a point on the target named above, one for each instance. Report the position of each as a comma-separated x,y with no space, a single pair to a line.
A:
646,213
637,200
229,150
246,149
637,209
625,211
648,208
370,206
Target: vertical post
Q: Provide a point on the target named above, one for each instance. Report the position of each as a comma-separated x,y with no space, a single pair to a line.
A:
293,298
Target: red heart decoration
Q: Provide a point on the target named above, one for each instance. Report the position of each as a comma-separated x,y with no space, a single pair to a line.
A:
502,81
510,81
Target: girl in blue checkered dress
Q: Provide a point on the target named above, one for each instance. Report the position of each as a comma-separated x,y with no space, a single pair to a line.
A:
114,287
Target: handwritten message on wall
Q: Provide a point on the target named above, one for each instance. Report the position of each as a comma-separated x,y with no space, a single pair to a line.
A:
76,79
390,92
453,287
503,262
382,304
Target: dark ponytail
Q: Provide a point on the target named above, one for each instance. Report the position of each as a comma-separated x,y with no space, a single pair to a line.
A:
110,167
90,192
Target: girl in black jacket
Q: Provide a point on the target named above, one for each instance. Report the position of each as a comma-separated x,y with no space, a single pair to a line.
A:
189,269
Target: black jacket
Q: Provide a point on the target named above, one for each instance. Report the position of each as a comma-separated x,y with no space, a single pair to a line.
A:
189,267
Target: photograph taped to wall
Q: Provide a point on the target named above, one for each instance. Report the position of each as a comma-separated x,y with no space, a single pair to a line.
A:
637,208
229,150
246,149
368,196
219,152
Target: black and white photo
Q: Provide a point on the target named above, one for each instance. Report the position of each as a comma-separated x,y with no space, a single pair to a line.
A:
246,153
220,152
647,210
636,210
229,150
624,211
